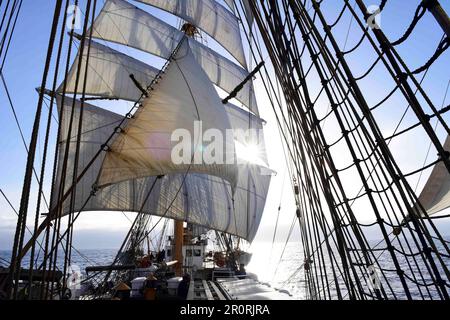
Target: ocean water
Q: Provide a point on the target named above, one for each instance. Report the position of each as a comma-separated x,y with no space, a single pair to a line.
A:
80,258
277,268
277,265
285,270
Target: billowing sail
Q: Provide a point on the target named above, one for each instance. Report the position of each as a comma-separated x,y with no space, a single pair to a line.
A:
97,126
196,198
225,74
209,16
108,74
123,23
435,195
248,135
183,98
231,201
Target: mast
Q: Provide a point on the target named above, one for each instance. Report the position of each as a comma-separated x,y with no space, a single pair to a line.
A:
178,246
190,30
440,15
108,66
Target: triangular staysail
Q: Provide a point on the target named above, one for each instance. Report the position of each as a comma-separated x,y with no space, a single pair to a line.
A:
182,97
435,195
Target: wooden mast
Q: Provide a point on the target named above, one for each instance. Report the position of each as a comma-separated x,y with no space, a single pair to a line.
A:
178,247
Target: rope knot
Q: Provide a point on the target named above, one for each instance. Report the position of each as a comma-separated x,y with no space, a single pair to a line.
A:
105,147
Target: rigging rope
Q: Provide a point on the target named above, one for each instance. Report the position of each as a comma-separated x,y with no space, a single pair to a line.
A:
14,274
331,71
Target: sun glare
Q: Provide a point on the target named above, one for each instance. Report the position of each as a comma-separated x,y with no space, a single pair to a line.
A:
249,153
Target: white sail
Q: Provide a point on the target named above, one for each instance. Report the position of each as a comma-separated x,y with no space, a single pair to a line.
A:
184,95
225,74
209,16
123,23
435,195
248,11
108,74
97,126
196,198
230,4
253,138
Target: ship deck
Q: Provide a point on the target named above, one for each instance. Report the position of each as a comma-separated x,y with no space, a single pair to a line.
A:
234,289
205,290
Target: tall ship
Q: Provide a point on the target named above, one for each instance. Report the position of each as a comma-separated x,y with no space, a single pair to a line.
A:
164,109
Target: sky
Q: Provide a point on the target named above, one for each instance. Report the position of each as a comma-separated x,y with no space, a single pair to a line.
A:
23,72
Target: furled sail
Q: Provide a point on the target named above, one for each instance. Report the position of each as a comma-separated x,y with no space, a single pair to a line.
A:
108,74
196,198
209,16
183,96
123,23
435,195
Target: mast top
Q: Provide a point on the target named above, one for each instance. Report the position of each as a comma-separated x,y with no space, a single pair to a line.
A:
189,29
